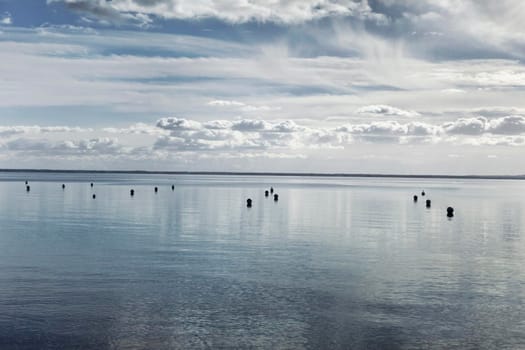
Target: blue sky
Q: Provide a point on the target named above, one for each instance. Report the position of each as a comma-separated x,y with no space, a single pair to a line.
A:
386,86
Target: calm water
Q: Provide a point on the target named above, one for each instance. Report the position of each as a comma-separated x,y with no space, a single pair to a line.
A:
335,264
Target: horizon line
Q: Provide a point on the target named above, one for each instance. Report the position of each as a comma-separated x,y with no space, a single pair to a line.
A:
247,173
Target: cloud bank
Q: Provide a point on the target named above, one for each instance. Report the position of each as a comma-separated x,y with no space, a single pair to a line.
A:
257,135
184,142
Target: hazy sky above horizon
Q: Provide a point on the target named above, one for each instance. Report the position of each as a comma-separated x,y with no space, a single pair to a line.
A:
384,86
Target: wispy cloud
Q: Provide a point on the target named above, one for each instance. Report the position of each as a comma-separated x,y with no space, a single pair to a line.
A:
105,13
72,70
6,131
89,147
241,106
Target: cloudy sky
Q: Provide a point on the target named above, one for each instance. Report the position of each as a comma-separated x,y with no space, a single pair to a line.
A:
381,86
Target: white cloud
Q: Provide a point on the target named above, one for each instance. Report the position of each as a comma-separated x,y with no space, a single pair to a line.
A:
218,124
245,134
188,135
392,132
392,128
385,110
467,126
6,19
509,125
236,11
251,125
286,126
178,124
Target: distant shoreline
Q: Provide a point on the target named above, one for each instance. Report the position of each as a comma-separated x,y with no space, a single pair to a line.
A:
239,173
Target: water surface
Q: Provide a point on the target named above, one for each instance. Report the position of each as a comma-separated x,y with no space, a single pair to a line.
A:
335,263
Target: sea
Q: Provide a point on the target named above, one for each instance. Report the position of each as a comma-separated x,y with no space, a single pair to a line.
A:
334,263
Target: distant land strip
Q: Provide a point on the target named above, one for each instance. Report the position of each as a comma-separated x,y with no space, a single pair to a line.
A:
291,174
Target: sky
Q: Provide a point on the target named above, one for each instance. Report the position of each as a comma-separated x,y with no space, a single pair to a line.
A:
354,86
